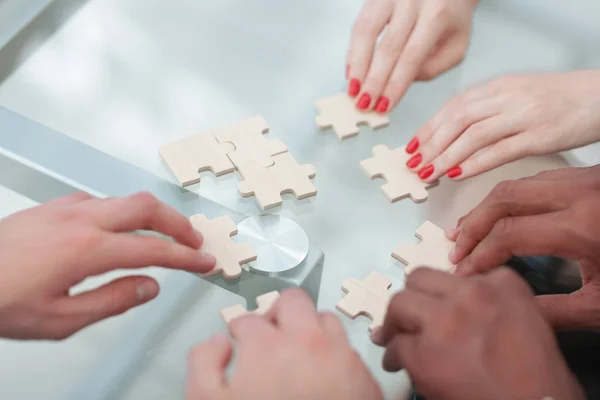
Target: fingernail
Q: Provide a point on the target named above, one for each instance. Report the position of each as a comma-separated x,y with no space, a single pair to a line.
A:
146,291
200,238
452,254
382,104
364,101
412,146
354,87
451,233
208,258
347,71
454,172
414,161
426,172
376,336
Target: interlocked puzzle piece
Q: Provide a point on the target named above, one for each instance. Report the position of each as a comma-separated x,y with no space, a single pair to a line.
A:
340,113
369,297
247,137
217,234
400,181
265,302
267,184
431,252
187,158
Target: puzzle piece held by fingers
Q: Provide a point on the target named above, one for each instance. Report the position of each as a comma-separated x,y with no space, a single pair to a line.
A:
265,302
400,181
217,234
247,139
368,297
340,113
267,184
188,157
432,252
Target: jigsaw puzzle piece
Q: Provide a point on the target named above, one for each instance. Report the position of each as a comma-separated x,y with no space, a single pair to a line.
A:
217,234
265,302
267,184
369,297
400,181
247,138
188,157
340,113
432,252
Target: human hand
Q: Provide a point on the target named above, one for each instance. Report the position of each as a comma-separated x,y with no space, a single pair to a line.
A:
505,120
48,249
473,338
422,39
553,213
291,353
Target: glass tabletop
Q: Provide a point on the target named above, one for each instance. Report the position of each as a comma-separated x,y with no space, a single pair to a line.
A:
123,77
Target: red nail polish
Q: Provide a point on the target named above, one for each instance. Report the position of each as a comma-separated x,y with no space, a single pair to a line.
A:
364,101
354,87
347,71
382,104
412,146
426,172
454,172
414,161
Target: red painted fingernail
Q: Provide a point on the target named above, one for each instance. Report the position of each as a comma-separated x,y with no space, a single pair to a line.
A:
364,101
354,87
454,172
382,104
426,172
414,160
412,146
347,71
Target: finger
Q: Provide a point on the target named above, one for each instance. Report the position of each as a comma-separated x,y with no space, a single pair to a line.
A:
458,118
399,353
370,23
128,251
417,48
332,326
73,198
450,55
295,312
253,331
508,198
386,55
112,299
207,363
476,137
144,211
432,282
505,279
407,312
533,235
574,311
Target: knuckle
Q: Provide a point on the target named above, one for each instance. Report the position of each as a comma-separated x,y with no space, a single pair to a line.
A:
477,293
506,278
364,28
145,200
441,12
86,239
503,191
503,228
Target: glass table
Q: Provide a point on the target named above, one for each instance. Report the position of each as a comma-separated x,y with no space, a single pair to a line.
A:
91,89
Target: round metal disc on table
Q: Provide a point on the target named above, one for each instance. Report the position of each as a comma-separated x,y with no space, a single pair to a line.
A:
280,243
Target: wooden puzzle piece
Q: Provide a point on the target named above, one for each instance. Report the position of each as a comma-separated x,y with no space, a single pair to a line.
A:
431,252
217,234
187,158
265,302
400,181
369,297
340,113
247,138
267,184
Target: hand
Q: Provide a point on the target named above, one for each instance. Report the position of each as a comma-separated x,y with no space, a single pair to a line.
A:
422,39
554,213
48,249
475,338
291,353
506,120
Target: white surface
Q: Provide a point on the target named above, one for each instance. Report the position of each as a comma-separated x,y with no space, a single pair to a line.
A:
125,76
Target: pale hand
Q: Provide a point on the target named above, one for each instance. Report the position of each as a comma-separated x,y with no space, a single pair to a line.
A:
291,353
47,250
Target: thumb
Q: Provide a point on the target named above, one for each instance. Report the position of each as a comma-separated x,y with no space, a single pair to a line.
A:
109,300
574,311
206,368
